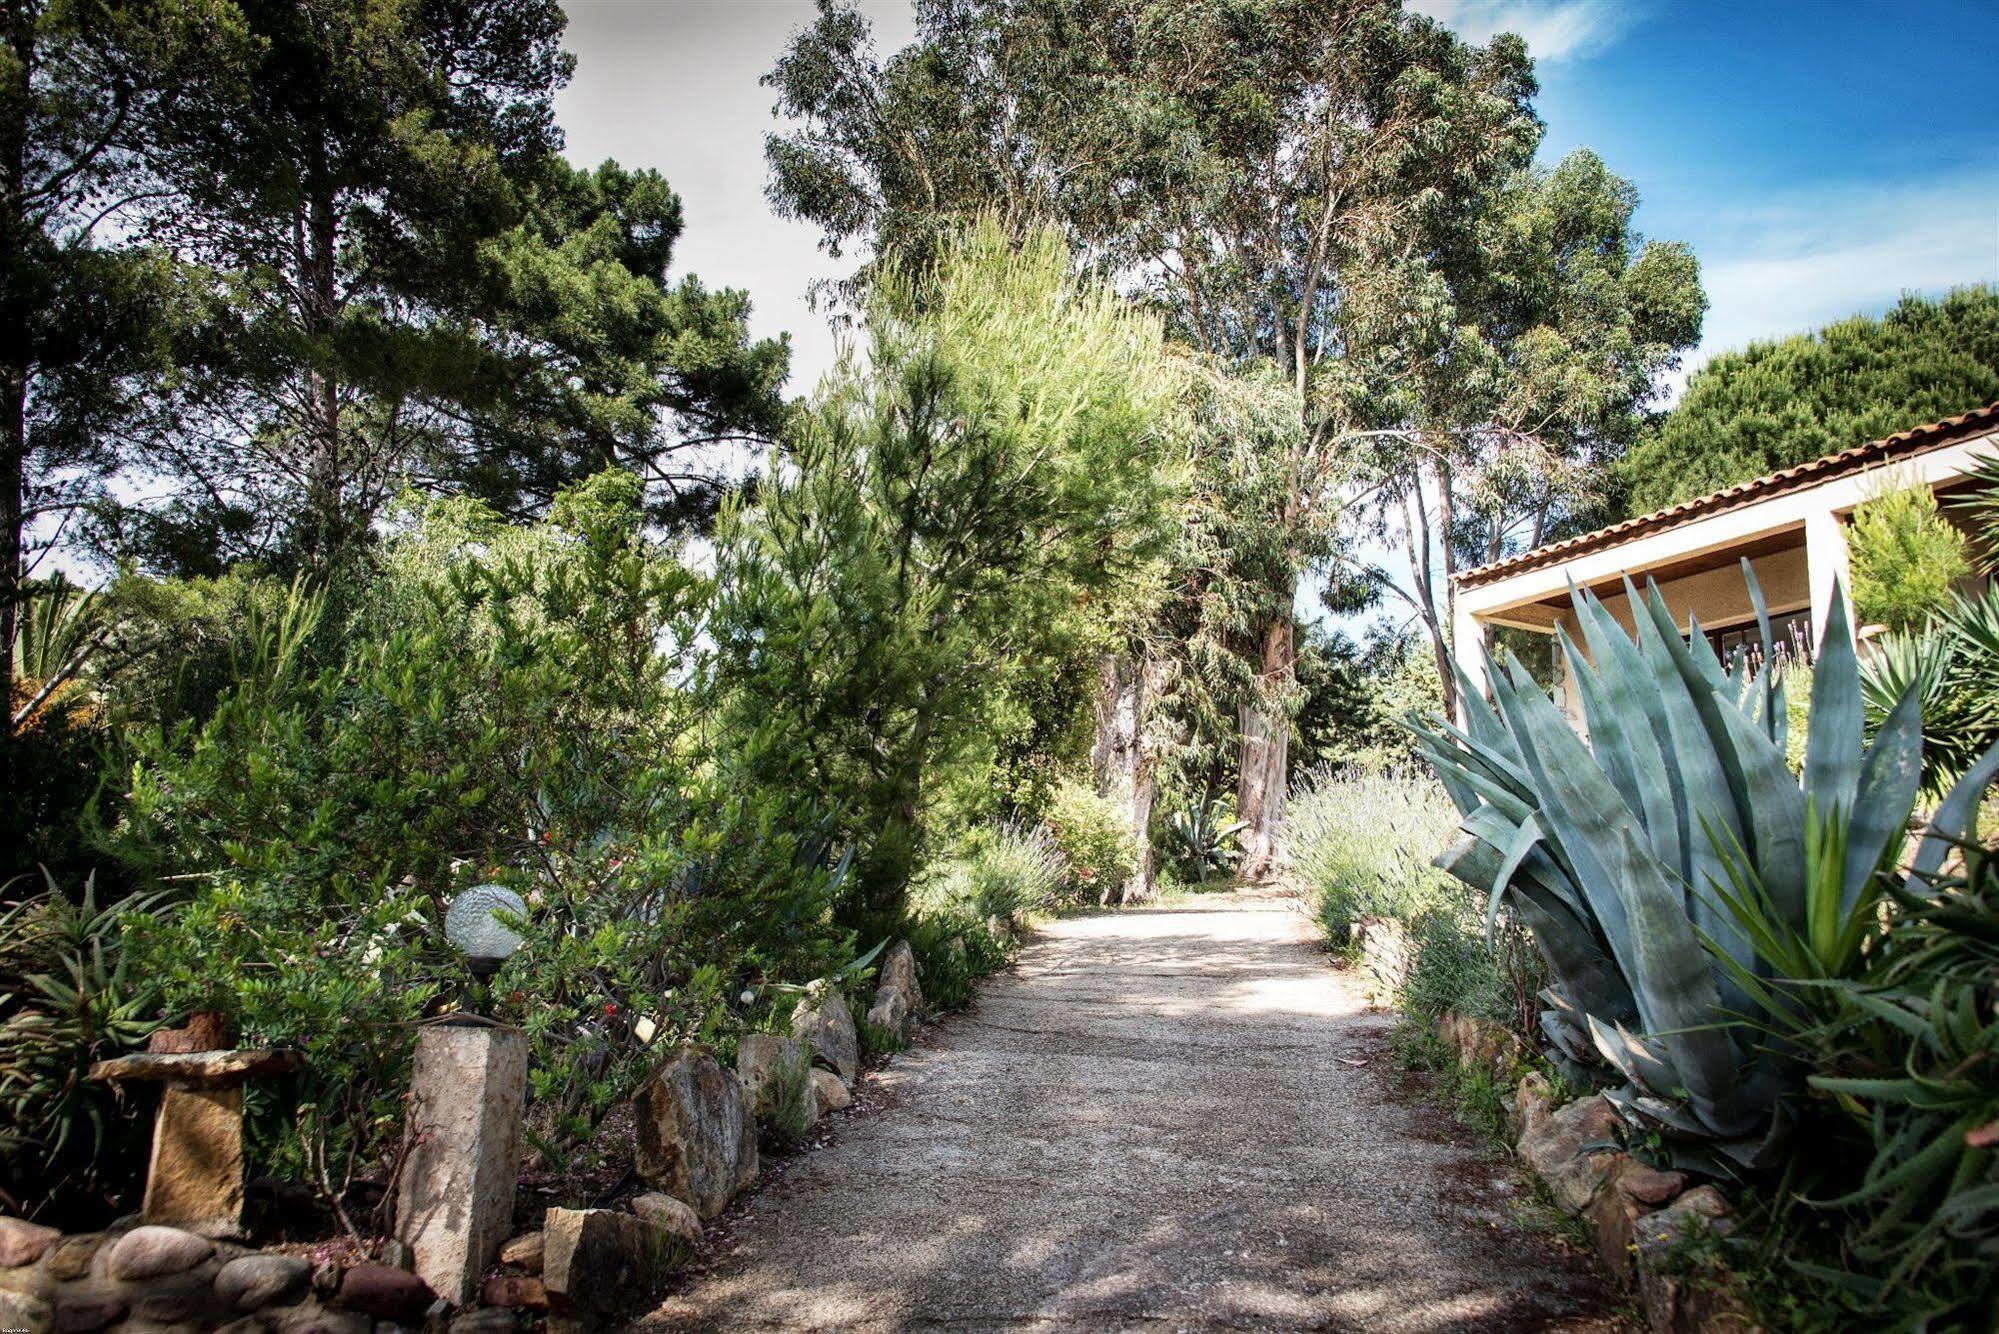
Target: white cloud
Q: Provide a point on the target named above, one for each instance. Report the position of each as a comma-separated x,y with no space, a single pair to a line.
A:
1784,266
1554,30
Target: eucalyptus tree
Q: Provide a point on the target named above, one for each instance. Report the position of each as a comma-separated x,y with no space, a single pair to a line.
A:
1254,169
405,283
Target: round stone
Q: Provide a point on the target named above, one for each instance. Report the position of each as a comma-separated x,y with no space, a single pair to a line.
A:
257,1281
472,925
148,1252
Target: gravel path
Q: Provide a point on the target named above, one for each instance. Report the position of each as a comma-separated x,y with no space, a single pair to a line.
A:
1172,1118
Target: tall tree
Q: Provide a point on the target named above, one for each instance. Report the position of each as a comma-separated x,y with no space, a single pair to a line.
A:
81,310
409,285
1781,403
1529,357
1247,166
941,519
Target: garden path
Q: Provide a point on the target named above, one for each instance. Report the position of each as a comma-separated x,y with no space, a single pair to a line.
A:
1176,1117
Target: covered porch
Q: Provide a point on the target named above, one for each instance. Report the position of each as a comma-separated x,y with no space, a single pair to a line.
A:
1790,525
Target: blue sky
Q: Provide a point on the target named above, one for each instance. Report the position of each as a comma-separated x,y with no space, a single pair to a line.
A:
1821,158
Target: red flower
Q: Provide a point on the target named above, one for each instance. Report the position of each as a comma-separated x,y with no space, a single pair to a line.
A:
610,1008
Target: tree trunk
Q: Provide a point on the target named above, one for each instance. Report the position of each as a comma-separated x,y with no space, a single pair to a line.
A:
1122,762
1266,753
15,357
325,517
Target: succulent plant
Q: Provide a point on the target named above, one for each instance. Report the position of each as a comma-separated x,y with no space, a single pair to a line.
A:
1614,851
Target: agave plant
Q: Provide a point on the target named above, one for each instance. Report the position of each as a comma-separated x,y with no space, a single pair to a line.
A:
1203,843
1609,849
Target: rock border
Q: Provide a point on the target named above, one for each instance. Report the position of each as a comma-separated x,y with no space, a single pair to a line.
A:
1643,1219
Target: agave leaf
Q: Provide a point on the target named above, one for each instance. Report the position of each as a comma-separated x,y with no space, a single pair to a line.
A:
1627,690
1633,1058
1833,741
1956,819
1889,777
1524,838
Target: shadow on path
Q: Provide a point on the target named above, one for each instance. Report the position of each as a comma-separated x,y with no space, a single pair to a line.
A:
1174,1118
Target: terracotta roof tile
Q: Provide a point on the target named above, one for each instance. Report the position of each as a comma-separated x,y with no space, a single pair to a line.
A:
1916,440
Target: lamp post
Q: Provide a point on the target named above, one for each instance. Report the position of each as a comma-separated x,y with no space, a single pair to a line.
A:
473,925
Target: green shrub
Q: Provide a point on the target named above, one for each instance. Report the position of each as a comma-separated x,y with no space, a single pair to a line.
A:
1359,844
1095,837
68,1152
1203,839
1003,870
953,951
509,705
1906,557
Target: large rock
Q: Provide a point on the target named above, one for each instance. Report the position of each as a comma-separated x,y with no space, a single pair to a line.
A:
830,1092
696,1135
597,1263
1678,1299
1532,1100
385,1292
1571,1150
456,1202
195,1180
148,1252
823,1022
256,1281
898,998
763,1063
22,1314
675,1217
23,1243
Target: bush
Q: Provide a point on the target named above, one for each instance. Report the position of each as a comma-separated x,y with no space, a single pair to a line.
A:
68,1152
1003,870
1096,840
1906,557
1359,843
508,705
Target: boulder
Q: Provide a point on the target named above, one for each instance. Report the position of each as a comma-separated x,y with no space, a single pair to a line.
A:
319,1320
71,1257
385,1292
823,1022
456,1204
22,1314
23,1243
523,1252
696,1135
665,1212
898,973
597,1262
1682,1298
148,1252
1571,1150
83,1308
1530,1104
761,1060
257,1281
173,1299
1698,1211
830,1092
515,1290
892,1013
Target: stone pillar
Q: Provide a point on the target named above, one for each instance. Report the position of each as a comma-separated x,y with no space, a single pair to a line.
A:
1825,564
456,1201
195,1180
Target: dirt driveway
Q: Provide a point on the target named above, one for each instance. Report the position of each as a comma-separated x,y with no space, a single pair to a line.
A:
1172,1118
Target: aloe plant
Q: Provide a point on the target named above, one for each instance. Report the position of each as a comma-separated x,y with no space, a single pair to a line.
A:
1610,850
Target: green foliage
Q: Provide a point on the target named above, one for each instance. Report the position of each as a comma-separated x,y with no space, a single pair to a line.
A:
1613,852
1782,403
509,705
1006,871
1360,844
953,949
1203,841
1094,837
785,1103
1951,662
1907,558
402,280
71,997
1890,1001
941,517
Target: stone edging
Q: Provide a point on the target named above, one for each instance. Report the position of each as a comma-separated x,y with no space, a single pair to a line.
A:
1642,1218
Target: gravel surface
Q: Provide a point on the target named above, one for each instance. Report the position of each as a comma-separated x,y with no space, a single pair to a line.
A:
1168,1118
